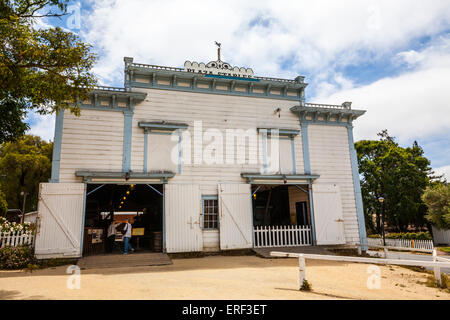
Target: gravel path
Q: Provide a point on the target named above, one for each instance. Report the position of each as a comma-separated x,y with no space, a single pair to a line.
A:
221,277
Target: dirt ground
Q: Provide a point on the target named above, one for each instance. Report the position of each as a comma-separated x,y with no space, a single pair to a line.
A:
221,277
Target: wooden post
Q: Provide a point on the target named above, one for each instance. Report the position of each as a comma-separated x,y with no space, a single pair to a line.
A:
385,252
437,270
359,251
302,270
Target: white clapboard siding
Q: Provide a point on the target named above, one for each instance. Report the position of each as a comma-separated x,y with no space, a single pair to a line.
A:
330,158
92,141
211,240
215,111
15,238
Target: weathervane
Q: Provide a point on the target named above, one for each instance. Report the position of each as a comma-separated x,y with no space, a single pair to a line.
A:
218,50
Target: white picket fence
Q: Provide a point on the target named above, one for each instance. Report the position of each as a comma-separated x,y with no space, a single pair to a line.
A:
403,243
15,238
282,236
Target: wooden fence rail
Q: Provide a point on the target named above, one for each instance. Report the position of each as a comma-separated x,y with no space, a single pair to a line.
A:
15,238
282,236
436,265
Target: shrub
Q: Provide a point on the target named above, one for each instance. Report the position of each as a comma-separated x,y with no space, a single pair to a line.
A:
16,257
406,235
306,286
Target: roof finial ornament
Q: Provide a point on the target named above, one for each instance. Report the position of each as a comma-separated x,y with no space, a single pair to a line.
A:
218,50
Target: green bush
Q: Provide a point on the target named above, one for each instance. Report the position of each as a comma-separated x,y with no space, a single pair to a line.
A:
16,257
406,235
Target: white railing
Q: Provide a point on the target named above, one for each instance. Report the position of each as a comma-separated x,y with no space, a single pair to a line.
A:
402,243
282,236
436,264
15,238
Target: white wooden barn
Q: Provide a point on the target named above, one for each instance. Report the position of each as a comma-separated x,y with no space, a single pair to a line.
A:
153,146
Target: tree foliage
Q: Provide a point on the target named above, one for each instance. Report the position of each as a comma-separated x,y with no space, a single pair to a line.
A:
23,165
41,69
3,204
437,199
400,175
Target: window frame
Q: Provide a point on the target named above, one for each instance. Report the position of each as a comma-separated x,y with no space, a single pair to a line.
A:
206,198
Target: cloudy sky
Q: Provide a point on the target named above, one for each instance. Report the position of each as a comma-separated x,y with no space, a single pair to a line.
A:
391,58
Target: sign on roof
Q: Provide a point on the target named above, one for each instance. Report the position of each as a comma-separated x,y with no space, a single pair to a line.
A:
218,67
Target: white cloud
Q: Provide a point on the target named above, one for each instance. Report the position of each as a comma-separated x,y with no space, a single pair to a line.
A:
445,170
313,35
42,125
412,105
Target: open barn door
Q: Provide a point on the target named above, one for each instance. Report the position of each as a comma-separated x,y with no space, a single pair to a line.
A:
182,218
329,222
235,216
60,220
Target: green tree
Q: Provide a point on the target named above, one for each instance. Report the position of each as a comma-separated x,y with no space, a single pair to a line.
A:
3,204
437,199
23,165
45,70
400,175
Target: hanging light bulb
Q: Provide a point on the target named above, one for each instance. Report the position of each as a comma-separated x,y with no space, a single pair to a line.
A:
121,202
124,198
128,192
120,207
254,196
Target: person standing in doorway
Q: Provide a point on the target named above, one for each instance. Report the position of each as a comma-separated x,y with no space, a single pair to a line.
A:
111,236
126,237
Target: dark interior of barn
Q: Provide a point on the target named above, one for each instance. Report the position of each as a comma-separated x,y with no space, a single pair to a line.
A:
280,205
142,204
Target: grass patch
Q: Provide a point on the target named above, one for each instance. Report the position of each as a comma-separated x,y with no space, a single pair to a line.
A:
444,249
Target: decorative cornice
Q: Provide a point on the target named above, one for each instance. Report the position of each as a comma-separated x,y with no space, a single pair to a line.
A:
255,177
138,75
281,131
167,126
89,175
112,99
326,113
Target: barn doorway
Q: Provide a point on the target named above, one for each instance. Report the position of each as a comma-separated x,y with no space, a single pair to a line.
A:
140,204
281,215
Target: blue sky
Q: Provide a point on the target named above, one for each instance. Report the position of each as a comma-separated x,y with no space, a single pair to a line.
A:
388,60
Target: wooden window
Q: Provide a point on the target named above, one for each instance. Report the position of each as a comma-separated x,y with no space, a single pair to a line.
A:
210,211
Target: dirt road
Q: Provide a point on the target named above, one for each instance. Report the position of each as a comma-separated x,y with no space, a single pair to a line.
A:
221,277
